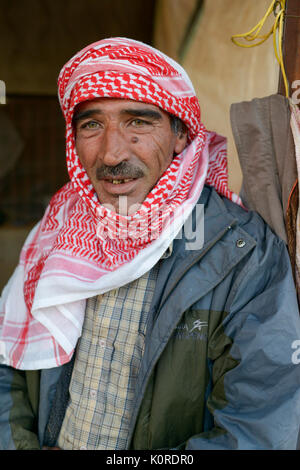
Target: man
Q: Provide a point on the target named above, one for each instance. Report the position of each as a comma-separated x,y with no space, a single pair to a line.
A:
117,331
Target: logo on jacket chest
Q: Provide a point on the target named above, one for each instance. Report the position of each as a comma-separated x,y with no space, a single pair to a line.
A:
196,330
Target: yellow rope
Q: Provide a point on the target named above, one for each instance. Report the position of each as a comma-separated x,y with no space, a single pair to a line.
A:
276,30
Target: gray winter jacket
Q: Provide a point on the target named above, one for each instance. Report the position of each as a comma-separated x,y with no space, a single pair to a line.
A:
222,350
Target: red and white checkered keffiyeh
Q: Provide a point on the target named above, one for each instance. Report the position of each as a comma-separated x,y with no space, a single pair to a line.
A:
72,254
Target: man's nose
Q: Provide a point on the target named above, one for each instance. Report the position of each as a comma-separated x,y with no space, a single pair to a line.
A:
114,146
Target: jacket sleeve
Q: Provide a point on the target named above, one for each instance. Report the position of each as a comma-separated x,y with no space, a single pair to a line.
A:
255,392
17,416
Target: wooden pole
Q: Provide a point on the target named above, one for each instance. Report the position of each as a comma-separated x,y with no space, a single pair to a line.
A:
291,45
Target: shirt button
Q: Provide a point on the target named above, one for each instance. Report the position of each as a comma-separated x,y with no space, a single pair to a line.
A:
102,343
93,393
240,243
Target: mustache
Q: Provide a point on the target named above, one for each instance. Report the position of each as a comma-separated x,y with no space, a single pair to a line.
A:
123,170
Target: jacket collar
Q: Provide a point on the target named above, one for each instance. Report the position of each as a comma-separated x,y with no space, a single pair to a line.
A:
218,224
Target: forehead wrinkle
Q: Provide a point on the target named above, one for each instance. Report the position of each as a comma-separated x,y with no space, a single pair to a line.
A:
142,112
85,114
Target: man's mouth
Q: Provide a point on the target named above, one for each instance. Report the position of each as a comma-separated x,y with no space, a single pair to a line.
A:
120,181
118,185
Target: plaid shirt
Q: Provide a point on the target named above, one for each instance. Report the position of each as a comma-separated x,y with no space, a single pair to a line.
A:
107,363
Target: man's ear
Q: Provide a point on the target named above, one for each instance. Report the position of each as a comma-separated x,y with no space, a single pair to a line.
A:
181,141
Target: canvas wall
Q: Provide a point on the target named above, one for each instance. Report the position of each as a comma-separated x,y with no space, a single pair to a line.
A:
222,73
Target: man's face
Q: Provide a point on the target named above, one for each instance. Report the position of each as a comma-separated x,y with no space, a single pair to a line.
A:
125,146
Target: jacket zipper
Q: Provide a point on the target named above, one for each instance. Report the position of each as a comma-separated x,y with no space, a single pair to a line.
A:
146,379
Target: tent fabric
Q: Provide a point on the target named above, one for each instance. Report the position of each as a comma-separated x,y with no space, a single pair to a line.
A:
222,73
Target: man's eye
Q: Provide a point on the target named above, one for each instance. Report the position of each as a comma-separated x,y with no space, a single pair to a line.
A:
139,122
90,125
